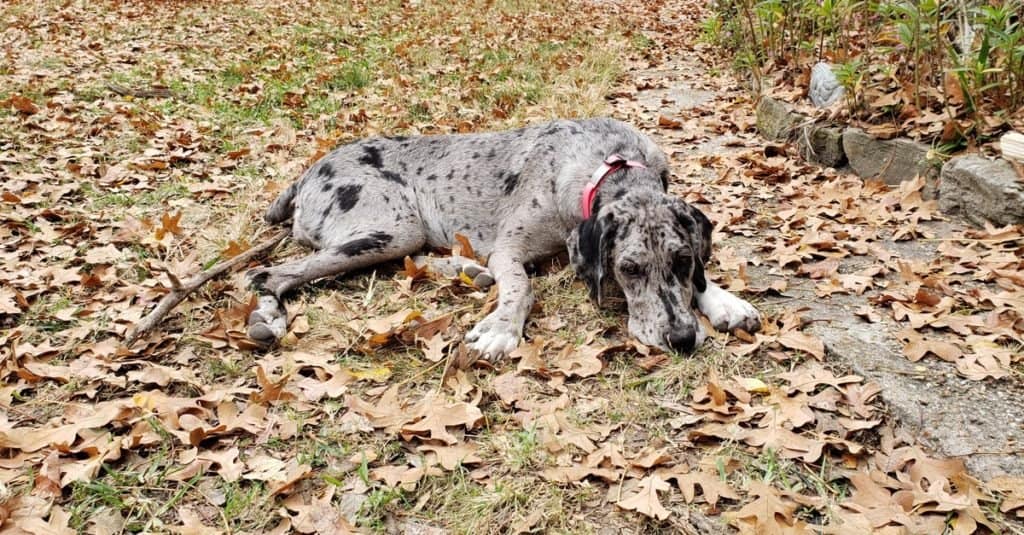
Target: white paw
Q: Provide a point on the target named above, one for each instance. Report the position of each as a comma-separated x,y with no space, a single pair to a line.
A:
269,321
494,337
727,312
702,335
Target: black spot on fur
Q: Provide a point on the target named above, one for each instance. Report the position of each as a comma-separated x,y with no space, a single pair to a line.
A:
393,177
509,182
371,156
432,177
259,281
403,167
669,301
327,187
326,170
476,155
492,153
346,197
419,170
373,243
451,174
535,203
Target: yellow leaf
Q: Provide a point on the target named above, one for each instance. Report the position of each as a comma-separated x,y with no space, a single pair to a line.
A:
144,401
752,384
378,374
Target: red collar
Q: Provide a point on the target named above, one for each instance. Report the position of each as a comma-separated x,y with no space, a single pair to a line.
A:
610,165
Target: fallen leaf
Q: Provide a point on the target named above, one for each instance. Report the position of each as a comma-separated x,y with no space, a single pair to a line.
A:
646,500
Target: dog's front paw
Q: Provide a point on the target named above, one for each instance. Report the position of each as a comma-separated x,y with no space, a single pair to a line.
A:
494,337
269,322
727,312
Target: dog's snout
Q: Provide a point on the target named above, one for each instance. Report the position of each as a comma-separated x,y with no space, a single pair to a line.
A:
682,341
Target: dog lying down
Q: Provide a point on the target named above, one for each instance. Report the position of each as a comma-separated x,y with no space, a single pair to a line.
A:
596,187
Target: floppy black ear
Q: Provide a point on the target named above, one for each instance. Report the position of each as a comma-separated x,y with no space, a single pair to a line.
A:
699,228
590,245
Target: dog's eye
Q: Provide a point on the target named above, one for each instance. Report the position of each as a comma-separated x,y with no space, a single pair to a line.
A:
631,269
681,262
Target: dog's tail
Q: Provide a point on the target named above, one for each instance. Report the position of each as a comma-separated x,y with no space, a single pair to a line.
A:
283,206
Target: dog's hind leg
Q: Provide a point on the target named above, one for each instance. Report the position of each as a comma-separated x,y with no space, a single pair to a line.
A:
356,250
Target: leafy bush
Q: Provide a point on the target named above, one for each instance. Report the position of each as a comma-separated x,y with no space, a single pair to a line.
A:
905,62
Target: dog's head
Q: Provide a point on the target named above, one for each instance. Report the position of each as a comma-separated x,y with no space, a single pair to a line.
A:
653,247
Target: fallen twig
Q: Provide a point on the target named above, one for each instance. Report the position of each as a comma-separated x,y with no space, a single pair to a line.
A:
181,290
152,92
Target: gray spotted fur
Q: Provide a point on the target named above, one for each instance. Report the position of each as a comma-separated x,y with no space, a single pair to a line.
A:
516,196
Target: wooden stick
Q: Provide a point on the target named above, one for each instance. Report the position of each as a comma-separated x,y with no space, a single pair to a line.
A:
181,290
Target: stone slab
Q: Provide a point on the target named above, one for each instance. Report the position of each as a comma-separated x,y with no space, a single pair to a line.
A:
891,160
980,189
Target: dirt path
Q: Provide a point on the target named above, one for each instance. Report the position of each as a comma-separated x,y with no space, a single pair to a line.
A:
979,421
982,421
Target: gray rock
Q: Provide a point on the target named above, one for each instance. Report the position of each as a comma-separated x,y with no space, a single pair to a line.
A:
981,189
825,87
776,121
892,160
821,144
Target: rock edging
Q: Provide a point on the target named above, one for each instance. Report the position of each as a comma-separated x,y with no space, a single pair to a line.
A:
974,187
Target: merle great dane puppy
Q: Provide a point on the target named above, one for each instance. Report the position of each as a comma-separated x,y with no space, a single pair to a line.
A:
596,187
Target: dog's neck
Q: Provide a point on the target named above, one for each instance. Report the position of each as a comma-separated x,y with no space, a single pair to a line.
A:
616,185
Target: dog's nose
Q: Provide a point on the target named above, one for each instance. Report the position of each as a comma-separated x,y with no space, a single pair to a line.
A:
682,341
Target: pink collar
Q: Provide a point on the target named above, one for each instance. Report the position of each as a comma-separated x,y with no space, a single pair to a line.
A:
610,165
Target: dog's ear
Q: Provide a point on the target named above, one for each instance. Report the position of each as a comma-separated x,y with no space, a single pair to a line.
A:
590,245
698,227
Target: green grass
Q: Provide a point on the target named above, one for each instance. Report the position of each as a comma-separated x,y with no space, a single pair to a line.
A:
361,70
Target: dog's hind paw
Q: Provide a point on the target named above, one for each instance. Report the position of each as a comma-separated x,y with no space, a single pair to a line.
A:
452,266
481,276
493,338
269,322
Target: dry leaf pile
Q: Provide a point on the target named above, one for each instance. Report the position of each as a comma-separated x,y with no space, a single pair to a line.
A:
139,143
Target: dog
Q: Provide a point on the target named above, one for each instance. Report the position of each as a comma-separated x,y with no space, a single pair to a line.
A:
596,187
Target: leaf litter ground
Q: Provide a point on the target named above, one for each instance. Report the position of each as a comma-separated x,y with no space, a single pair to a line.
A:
140,145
